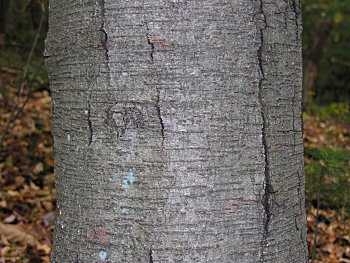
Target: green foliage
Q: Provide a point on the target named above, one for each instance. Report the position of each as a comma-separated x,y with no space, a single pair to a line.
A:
334,65
11,58
329,169
338,111
21,21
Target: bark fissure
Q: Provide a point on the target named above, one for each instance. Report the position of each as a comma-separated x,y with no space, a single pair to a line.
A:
149,41
159,113
268,189
89,123
296,223
105,45
296,18
150,255
104,35
104,39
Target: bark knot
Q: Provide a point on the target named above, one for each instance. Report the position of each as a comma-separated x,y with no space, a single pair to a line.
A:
125,118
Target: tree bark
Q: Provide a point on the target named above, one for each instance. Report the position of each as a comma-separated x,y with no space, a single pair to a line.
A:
178,131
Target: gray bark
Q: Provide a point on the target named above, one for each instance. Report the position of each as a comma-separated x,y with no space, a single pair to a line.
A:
178,131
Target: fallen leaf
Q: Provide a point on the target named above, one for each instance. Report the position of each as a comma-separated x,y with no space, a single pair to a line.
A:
38,168
44,248
5,250
10,219
34,186
49,218
45,259
3,204
17,233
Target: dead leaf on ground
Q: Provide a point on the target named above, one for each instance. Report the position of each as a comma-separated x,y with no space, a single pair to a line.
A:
17,233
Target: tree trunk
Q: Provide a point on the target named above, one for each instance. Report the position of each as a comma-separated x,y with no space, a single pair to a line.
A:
178,131
312,60
3,14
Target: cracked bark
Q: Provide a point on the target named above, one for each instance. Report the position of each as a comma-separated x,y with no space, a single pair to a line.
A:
89,123
177,131
268,189
150,256
150,43
268,115
104,36
159,113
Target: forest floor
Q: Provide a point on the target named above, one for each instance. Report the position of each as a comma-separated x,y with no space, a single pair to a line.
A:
27,193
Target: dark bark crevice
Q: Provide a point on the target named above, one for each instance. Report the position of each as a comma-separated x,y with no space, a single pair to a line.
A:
294,7
104,39
104,35
296,223
89,123
296,10
150,255
268,189
105,45
159,113
149,41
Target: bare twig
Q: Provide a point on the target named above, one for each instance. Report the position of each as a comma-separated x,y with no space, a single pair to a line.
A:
26,5
18,109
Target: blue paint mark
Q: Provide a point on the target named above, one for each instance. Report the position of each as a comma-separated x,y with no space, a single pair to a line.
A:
128,157
126,184
130,179
125,210
125,74
103,255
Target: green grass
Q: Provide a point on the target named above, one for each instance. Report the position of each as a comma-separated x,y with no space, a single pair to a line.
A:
327,169
17,59
337,111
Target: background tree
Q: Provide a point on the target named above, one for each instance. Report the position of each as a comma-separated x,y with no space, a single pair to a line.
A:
177,128
19,23
326,48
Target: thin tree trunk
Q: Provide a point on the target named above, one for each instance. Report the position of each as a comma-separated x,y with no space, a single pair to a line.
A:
312,60
3,14
178,131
